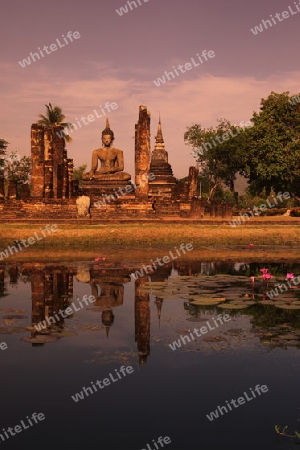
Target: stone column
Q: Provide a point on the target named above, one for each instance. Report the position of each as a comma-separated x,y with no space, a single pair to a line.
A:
37,155
58,162
193,182
24,192
2,191
12,189
142,153
70,176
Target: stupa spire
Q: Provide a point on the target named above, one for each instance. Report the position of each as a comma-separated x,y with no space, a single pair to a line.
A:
159,137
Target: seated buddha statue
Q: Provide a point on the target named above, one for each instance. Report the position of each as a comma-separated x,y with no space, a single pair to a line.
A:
111,160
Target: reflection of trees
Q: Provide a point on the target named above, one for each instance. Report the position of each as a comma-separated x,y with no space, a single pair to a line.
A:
270,316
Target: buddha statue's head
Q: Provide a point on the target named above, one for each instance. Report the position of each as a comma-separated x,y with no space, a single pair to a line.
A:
107,135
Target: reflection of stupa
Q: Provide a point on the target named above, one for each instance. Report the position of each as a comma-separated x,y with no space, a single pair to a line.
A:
108,290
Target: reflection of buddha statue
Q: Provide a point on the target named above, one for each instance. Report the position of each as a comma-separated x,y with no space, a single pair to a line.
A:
111,159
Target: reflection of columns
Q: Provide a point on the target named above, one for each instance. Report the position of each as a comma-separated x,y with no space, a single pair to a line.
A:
2,273
38,297
142,320
48,293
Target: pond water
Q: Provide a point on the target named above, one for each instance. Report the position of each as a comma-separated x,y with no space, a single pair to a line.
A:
76,369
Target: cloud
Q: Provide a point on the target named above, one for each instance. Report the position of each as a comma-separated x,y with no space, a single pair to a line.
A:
181,103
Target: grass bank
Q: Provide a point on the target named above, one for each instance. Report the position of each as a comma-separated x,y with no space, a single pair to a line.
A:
89,240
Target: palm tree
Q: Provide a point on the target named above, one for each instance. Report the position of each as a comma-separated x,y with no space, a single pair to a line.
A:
55,117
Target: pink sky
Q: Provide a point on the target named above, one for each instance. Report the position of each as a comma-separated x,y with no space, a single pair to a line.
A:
117,58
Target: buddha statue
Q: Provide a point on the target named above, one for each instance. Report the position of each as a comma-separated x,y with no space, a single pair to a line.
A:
111,159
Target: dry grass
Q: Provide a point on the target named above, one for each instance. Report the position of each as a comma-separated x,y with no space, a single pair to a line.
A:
213,240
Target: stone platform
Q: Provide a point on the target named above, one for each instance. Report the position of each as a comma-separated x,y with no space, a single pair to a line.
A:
95,188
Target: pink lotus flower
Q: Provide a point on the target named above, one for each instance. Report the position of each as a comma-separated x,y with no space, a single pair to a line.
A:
267,276
103,259
289,276
264,270
97,259
250,246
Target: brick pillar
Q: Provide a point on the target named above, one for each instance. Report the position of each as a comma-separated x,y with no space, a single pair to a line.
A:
2,191
70,176
58,162
12,189
142,153
37,155
75,188
24,192
193,182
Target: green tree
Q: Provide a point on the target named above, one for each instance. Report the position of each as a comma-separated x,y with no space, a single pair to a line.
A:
17,167
78,172
216,150
55,117
271,148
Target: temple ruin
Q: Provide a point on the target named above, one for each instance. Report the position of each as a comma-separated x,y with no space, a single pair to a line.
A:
107,192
